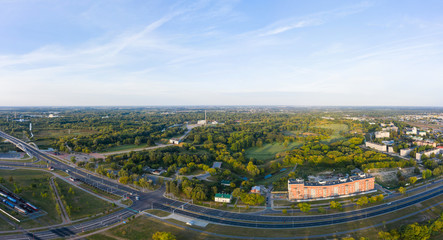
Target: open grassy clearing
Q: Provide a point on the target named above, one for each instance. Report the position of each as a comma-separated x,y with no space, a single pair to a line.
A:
19,160
35,188
287,203
62,173
81,203
196,172
240,209
159,213
4,226
337,127
127,202
269,150
274,177
42,163
124,147
44,143
100,192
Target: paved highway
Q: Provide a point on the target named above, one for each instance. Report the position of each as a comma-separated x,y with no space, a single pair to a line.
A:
155,199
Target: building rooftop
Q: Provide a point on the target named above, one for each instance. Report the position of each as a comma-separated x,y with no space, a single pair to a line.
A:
391,142
331,182
223,195
257,188
216,165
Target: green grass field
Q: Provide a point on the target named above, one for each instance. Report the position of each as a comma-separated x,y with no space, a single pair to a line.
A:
82,204
125,147
19,160
274,177
4,225
100,192
196,172
159,213
268,151
34,186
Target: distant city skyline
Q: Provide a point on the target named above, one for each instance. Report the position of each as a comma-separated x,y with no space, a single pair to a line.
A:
292,53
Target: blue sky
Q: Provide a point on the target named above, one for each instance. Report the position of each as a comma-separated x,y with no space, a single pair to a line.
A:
221,53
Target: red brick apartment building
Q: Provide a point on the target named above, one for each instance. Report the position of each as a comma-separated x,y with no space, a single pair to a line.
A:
298,189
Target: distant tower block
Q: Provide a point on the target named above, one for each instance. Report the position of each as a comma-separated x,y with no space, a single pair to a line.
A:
202,122
30,126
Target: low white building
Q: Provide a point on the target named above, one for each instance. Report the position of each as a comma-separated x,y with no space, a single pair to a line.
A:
411,131
389,127
381,134
428,153
223,197
376,146
405,152
391,149
174,141
394,128
422,133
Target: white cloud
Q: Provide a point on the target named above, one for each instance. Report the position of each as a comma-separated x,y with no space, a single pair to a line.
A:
315,19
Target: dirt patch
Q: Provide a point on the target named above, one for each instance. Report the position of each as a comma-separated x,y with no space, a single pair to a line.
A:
79,157
309,134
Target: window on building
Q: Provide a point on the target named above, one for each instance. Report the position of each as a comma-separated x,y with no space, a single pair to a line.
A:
357,187
335,190
324,192
367,185
306,192
346,189
312,193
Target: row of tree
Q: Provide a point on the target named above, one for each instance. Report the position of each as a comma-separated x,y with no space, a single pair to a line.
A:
415,231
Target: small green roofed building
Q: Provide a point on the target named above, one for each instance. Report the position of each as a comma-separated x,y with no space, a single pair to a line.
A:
223,197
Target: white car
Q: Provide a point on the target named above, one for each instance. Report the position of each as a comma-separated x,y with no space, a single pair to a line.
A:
190,223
